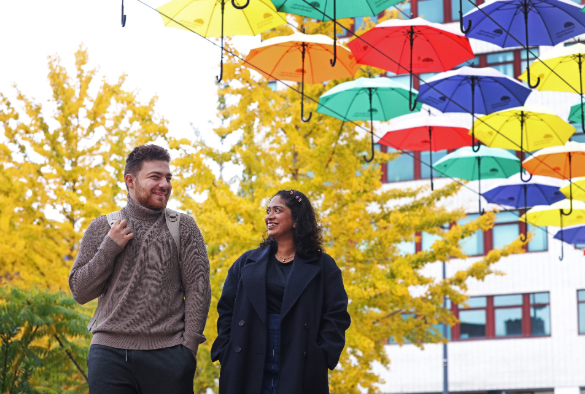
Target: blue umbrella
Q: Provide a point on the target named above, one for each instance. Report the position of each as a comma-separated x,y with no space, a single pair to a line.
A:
473,90
572,235
512,23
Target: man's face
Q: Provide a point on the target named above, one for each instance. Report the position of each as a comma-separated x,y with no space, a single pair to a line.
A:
151,187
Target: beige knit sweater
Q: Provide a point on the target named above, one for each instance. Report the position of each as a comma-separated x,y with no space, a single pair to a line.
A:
147,299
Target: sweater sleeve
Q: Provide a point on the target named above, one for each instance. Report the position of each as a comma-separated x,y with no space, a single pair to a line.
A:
94,262
196,283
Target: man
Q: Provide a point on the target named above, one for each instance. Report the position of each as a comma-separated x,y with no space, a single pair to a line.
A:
152,287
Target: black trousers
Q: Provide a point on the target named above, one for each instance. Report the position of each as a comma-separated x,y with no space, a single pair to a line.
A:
120,371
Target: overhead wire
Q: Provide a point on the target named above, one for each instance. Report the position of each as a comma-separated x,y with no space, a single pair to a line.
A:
458,181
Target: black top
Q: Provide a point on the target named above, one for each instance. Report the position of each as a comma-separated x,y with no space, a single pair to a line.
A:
276,276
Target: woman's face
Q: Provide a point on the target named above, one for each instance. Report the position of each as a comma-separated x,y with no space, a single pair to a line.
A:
278,219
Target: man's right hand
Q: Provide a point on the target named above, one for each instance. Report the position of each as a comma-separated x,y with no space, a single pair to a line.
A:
120,232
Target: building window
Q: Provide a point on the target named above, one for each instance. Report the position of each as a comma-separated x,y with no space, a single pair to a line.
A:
503,316
581,306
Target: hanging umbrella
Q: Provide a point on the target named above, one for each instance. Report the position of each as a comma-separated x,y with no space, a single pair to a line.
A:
572,235
366,99
219,18
513,192
523,128
487,163
561,70
579,193
333,10
411,46
564,162
554,215
299,58
415,133
474,91
527,23
576,114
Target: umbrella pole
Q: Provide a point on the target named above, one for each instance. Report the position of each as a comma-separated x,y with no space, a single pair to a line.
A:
304,45
431,154
474,80
123,15
522,115
411,105
525,210
334,60
562,238
220,77
463,30
371,127
580,63
481,212
525,10
570,188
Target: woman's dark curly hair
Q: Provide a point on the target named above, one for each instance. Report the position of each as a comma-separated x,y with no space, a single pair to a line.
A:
307,233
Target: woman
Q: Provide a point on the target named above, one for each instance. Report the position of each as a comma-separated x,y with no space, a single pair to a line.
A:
283,309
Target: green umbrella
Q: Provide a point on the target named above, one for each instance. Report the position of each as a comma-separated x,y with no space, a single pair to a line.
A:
366,99
331,10
487,163
575,115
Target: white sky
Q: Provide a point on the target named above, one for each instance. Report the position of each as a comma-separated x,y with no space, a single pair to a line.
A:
178,66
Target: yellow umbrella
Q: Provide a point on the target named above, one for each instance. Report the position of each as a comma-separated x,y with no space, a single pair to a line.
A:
527,128
560,70
578,194
554,215
219,18
301,57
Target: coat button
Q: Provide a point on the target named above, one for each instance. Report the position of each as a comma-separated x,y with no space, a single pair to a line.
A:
238,349
306,326
241,323
305,354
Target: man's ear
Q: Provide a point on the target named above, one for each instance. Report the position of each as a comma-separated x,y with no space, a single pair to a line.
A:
129,178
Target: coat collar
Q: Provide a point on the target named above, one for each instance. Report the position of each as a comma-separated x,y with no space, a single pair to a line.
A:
254,280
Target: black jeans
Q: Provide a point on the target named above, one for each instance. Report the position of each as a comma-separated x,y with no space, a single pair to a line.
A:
160,371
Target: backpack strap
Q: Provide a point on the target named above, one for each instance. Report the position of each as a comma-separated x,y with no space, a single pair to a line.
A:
173,221
112,217
172,218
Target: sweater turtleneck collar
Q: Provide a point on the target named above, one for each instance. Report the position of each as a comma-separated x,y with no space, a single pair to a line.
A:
140,212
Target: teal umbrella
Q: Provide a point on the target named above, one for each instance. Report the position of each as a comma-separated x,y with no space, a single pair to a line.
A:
332,9
487,163
576,113
366,99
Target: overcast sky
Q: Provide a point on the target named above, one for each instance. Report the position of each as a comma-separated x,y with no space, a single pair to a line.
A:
178,66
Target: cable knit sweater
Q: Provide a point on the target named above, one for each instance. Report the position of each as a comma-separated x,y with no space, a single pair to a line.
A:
147,299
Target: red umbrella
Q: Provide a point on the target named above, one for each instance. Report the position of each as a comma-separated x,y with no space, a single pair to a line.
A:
411,46
415,133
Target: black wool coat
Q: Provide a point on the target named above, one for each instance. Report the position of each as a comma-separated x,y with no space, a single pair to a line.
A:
314,319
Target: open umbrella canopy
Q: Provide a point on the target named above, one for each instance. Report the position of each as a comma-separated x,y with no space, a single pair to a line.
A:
488,163
549,22
550,215
576,115
205,17
473,90
365,99
560,69
573,235
390,44
423,132
564,162
527,128
281,58
324,10
513,192
578,189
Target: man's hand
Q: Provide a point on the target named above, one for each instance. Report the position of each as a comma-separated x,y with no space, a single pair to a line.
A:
120,233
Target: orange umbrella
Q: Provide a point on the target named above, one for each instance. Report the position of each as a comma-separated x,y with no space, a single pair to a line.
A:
564,162
299,58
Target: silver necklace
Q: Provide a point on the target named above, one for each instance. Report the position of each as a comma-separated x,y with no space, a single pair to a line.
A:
285,258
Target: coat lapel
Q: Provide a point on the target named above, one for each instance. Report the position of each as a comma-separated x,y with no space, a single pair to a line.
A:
302,273
254,280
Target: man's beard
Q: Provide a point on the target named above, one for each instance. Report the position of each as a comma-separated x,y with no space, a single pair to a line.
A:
144,196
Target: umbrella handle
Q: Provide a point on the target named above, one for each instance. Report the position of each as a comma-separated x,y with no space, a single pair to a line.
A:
474,148
562,238
463,30
220,76
303,105
334,60
372,157
411,105
529,84
123,15
522,177
570,190
237,7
